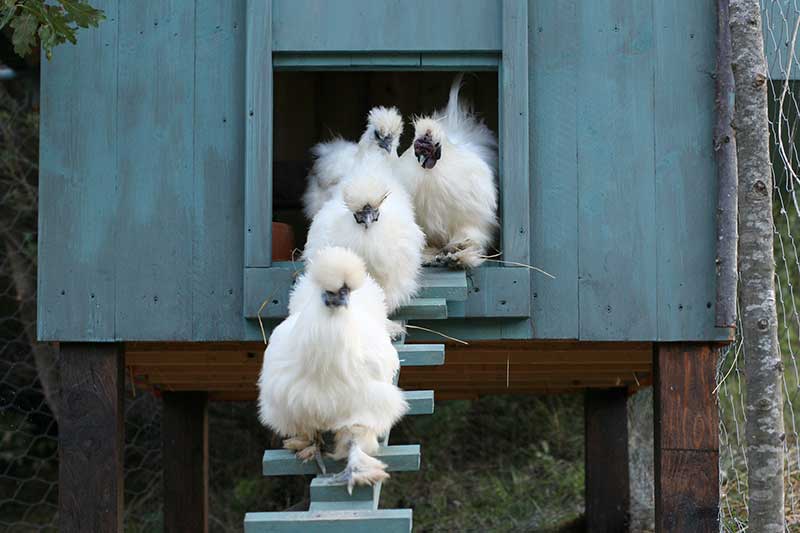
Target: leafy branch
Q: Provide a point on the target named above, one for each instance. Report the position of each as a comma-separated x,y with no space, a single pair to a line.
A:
49,23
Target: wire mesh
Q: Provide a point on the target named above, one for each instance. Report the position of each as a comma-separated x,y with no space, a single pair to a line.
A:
781,21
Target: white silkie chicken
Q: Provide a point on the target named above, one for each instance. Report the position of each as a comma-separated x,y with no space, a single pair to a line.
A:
330,366
372,215
450,170
335,161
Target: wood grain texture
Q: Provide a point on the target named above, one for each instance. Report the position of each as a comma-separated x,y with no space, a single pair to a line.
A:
155,219
184,448
687,409
219,126
514,133
685,184
687,491
305,25
258,135
361,521
686,438
91,434
554,167
727,187
606,459
78,195
616,185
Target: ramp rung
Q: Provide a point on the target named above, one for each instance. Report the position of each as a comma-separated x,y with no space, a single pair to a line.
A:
325,490
420,402
443,283
329,521
421,354
422,309
403,458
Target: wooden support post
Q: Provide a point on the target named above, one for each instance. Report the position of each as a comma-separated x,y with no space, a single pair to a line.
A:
686,438
607,481
91,435
184,437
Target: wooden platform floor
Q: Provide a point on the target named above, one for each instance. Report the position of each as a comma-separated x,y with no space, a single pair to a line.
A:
229,371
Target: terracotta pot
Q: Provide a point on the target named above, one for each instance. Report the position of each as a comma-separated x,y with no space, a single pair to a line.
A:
282,241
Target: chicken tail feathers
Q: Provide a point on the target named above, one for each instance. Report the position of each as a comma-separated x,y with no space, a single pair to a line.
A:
453,110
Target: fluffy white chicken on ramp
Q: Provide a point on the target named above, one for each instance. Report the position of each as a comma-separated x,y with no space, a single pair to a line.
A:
450,170
372,215
330,366
335,161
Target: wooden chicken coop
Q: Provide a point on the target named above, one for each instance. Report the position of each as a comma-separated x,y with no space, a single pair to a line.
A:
174,144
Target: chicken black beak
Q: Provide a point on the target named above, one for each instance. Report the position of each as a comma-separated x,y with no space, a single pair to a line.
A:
386,143
427,152
367,215
337,299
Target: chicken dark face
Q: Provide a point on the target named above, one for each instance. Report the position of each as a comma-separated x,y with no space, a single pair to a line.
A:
383,141
427,152
337,299
367,215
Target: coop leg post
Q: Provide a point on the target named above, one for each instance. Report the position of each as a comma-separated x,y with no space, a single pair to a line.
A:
607,482
686,438
91,437
184,437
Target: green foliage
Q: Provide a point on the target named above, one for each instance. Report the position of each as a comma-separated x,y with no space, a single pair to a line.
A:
50,24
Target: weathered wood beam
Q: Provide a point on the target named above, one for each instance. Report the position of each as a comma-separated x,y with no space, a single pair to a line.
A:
184,440
725,150
686,438
606,440
91,434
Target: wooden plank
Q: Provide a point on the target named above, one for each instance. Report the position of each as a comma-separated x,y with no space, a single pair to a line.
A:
421,354
686,438
258,135
606,458
687,491
554,167
494,293
217,245
420,402
514,133
184,448
314,26
685,192
422,309
91,431
360,521
398,458
154,221
686,379
443,283
617,239
78,194
347,61
327,489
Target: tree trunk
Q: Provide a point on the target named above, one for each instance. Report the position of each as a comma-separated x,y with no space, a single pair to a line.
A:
763,368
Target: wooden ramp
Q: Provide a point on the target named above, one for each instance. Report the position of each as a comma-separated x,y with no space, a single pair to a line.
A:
332,508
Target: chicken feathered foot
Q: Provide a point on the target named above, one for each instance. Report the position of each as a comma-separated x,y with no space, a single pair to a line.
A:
461,255
361,469
306,448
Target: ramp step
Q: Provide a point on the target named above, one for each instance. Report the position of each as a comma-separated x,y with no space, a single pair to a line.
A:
421,354
422,309
329,521
443,283
405,458
325,490
420,402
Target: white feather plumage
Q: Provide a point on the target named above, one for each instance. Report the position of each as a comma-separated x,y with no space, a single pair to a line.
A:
391,246
331,368
335,161
456,200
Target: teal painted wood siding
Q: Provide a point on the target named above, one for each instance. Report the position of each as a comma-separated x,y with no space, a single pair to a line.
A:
147,139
